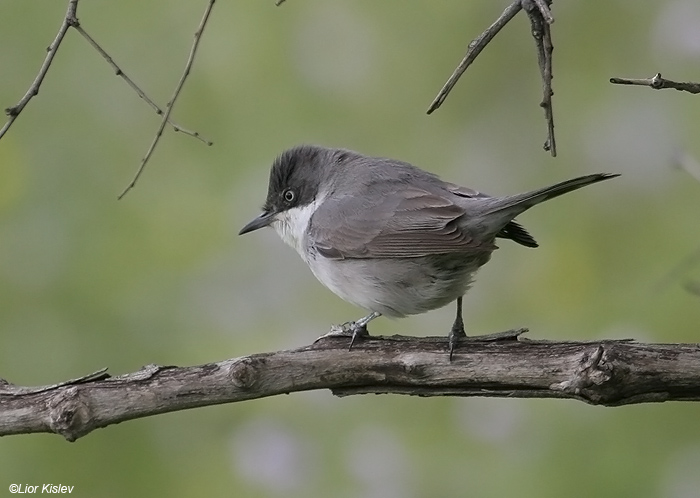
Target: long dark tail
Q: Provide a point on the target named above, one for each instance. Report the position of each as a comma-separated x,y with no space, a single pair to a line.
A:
511,206
522,202
525,201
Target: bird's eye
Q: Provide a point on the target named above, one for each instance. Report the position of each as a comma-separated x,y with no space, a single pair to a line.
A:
289,195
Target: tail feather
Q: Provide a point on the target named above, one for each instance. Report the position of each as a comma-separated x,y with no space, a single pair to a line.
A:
521,202
517,233
501,211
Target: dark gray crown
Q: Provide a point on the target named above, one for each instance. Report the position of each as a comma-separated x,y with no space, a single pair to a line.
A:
299,170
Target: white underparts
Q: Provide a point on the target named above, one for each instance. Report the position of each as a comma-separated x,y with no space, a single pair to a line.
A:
292,226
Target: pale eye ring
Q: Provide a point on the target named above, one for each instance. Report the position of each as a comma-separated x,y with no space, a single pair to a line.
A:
289,195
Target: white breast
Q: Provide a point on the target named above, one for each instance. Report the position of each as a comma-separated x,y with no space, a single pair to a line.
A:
292,226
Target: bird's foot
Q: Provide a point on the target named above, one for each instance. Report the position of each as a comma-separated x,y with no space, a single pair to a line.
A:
347,329
456,334
342,330
357,330
354,330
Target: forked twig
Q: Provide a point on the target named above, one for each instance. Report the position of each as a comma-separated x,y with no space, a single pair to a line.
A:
71,21
119,72
540,18
176,93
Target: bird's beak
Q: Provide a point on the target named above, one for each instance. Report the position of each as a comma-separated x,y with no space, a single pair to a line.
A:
261,221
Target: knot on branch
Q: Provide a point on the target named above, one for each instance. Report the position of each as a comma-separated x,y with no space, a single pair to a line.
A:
72,21
69,414
594,370
657,82
244,373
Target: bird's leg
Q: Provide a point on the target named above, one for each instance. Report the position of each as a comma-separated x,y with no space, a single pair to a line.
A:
457,331
354,329
359,327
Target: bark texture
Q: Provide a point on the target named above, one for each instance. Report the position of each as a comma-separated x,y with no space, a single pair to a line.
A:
607,372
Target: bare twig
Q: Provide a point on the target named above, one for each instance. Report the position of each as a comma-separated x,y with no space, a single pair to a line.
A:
176,93
543,6
14,111
71,21
657,82
119,72
607,372
474,49
540,20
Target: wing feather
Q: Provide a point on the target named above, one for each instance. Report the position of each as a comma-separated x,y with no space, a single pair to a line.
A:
407,222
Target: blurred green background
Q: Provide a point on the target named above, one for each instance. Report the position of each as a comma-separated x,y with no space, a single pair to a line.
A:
87,281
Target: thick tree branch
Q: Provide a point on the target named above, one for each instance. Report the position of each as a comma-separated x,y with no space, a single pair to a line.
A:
607,372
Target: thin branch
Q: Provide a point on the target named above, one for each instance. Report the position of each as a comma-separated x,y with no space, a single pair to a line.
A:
176,93
14,111
543,7
657,83
606,372
71,21
474,49
119,72
540,20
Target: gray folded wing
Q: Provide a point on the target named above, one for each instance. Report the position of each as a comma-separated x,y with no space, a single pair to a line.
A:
410,222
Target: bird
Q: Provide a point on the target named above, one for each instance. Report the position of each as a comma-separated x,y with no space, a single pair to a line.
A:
387,236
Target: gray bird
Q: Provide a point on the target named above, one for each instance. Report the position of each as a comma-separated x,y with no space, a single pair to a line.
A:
387,236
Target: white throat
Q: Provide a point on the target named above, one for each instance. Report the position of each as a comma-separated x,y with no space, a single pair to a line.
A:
293,226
